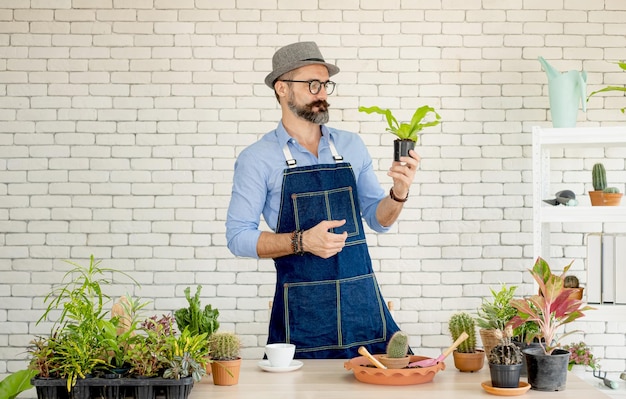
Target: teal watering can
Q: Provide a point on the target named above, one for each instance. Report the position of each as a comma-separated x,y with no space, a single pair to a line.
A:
566,90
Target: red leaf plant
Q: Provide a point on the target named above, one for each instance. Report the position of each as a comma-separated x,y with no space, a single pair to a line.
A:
553,306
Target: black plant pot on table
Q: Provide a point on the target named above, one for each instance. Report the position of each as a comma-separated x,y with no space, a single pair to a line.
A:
401,148
547,372
505,375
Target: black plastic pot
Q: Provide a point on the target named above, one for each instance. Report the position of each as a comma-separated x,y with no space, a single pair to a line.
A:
522,346
97,388
401,148
547,372
505,375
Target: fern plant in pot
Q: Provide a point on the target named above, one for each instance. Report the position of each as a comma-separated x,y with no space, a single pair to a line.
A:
407,133
467,358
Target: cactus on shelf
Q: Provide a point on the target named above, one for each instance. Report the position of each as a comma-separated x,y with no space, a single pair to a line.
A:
224,346
598,177
460,322
398,345
506,352
611,190
571,281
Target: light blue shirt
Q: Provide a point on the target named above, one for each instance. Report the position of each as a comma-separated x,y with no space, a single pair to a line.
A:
257,183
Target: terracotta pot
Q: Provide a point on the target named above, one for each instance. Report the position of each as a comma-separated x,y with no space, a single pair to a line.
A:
226,372
579,293
600,198
394,362
469,362
612,199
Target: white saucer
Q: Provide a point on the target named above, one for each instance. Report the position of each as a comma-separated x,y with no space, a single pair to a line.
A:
294,365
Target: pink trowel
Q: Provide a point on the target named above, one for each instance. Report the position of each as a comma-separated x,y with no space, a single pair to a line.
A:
434,361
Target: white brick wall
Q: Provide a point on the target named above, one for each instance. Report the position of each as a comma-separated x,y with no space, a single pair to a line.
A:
120,122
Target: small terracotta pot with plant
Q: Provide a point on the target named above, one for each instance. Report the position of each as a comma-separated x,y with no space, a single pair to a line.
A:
603,195
466,357
397,351
225,361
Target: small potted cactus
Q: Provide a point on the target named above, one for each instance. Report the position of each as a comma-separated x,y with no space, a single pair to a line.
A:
505,361
603,195
397,351
225,361
466,357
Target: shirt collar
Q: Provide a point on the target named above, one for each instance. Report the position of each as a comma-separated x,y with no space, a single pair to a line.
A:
283,137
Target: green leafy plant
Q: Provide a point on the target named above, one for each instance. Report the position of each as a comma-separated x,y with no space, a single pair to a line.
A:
406,131
187,355
496,313
118,334
77,351
622,65
553,307
195,318
398,345
463,322
148,355
16,383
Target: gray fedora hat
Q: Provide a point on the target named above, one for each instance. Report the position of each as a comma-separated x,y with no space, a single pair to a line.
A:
294,56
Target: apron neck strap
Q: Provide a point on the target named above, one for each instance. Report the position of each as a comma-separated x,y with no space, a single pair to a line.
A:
291,161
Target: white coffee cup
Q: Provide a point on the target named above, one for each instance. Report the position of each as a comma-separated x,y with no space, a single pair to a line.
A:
280,355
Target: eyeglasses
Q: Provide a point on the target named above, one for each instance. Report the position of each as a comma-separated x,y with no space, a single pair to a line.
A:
315,85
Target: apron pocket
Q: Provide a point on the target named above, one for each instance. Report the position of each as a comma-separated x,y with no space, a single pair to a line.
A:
313,207
334,313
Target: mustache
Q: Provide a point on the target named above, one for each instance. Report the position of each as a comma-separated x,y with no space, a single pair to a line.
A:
321,104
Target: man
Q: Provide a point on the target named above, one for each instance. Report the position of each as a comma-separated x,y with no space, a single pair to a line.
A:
314,185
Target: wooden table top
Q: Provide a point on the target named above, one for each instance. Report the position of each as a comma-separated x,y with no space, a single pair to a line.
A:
329,379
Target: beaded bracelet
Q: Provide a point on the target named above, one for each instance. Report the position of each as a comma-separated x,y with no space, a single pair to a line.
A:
296,242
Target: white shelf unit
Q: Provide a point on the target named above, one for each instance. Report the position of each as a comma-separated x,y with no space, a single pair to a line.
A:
546,139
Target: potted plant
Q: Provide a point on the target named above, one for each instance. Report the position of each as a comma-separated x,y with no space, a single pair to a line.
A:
118,335
466,357
581,356
603,195
196,319
406,132
551,308
396,356
505,361
225,361
622,65
494,314
572,281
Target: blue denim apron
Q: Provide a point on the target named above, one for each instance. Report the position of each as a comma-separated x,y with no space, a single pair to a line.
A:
326,307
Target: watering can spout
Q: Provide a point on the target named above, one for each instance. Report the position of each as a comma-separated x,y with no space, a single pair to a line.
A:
549,69
567,91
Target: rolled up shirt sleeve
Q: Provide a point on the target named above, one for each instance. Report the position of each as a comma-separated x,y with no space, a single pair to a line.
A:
246,205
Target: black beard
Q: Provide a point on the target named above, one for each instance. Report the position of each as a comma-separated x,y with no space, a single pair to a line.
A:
306,112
